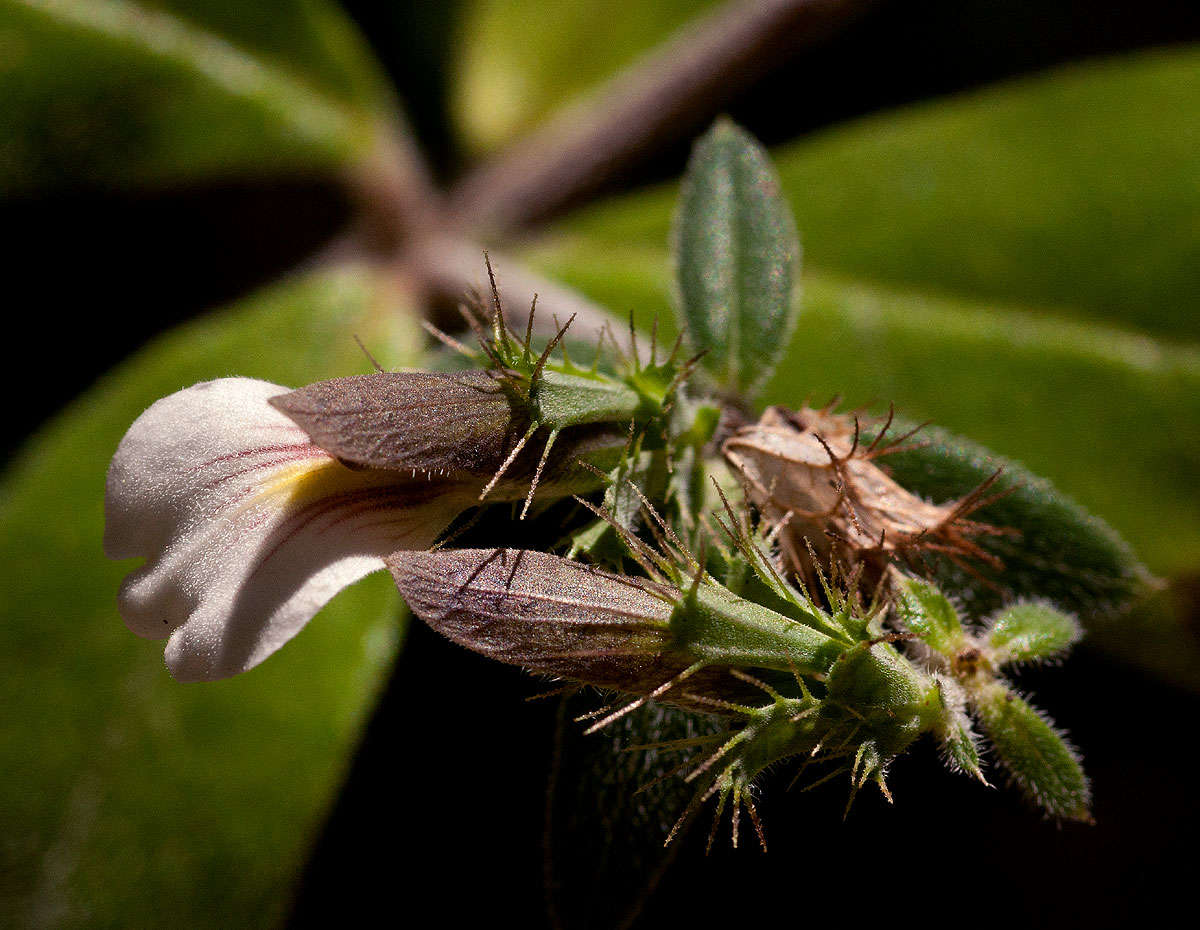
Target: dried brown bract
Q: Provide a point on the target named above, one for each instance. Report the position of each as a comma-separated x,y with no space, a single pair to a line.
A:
820,488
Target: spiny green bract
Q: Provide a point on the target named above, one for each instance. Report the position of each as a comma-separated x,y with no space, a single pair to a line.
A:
554,396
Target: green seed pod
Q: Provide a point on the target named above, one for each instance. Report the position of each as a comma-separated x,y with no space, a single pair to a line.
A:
895,701
876,705
717,626
560,400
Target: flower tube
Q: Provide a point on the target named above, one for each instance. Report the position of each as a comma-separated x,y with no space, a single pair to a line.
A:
253,506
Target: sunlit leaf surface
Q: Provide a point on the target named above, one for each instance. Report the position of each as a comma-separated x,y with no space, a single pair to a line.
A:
519,62
1078,190
131,799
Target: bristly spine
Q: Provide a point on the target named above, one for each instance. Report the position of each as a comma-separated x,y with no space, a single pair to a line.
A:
558,395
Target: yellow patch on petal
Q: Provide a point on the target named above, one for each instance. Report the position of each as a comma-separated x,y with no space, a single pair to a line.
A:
307,480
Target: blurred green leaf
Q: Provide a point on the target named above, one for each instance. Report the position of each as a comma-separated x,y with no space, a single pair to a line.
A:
737,258
521,60
133,800
123,93
1048,546
1079,188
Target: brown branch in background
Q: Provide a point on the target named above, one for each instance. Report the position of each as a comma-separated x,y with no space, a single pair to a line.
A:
394,192
430,238
448,266
674,89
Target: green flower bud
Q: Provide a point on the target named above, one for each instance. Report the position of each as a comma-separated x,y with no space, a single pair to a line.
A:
553,615
546,614
465,427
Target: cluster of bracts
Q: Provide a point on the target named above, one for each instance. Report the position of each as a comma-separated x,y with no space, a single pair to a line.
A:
768,573
782,575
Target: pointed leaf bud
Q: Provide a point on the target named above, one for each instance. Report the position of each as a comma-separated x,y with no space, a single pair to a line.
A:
545,613
961,751
1031,631
960,745
737,258
930,614
1039,759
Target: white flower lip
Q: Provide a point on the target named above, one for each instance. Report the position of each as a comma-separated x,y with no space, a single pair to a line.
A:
247,527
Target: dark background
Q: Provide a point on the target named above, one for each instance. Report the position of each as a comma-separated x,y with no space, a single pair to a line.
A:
459,835
460,832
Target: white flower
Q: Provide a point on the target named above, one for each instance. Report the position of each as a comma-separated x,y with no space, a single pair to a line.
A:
247,527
